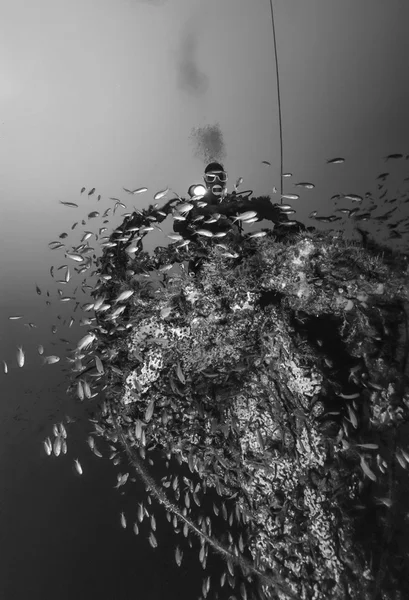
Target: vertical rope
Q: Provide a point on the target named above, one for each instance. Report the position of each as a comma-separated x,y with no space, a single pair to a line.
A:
279,102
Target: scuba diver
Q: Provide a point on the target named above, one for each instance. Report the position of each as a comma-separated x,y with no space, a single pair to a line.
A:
225,206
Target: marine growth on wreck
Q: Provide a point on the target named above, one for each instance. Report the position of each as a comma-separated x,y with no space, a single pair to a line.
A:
275,370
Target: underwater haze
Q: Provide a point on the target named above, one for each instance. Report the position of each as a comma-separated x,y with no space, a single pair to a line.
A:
133,93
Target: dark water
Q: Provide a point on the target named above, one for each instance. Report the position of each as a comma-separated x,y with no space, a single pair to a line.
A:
60,533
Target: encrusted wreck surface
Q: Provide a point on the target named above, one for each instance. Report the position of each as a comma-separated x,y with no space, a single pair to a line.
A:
274,375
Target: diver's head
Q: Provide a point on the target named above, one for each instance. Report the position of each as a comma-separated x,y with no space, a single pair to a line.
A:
215,178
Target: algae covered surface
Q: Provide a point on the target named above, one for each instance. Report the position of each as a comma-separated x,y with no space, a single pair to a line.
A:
274,368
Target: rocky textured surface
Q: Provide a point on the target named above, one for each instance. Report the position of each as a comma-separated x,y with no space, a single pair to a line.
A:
274,376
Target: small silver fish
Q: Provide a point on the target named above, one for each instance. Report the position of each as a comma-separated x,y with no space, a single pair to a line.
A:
48,446
87,389
290,196
5,366
91,192
335,161
71,204
63,431
366,469
204,232
20,356
123,520
308,186
78,467
161,194
245,216
76,257
137,191
50,360
124,296
57,446
353,197
99,365
258,234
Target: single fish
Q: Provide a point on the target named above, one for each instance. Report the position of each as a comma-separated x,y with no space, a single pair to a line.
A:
393,156
91,192
76,257
161,194
185,207
71,204
368,446
137,191
78,467
353,197
82,190
38,290
265,162
400,460
149,410
245,216
204,232
123,520
57,446
20,356
258,234
385,501
48,446
308,186
99,365
63,431
366,469
124,296
15,317
87,389
335,161
93,214
5,366
152,540
97,452
50,360
80,391
290,196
